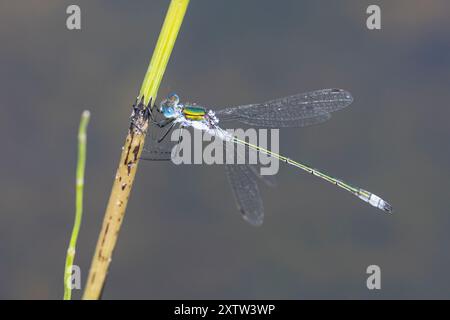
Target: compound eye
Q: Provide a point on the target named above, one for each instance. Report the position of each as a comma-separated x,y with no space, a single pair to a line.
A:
173,97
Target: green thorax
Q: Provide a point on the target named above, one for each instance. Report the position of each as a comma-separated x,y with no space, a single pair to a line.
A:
194,112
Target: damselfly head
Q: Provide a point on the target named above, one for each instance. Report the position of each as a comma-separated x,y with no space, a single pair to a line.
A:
169,105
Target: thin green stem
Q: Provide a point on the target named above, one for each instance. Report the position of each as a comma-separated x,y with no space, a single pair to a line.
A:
81,164
163,49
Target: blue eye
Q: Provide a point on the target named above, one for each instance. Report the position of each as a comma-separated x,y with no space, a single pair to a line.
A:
168,111
173,97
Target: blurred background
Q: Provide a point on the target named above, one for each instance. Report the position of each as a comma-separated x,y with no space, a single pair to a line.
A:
183,237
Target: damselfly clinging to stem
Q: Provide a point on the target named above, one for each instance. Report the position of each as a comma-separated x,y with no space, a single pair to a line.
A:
294,111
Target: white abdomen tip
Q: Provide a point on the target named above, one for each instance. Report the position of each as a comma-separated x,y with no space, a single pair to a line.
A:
376,201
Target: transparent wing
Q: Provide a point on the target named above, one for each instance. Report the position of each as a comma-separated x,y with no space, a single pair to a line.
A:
243,181
156,153
246,193
242,156
164,150
285,123
269,180
299,110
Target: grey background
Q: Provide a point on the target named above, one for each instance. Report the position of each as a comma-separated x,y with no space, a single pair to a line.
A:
182,236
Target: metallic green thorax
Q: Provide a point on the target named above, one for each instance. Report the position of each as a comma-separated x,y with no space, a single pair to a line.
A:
194,112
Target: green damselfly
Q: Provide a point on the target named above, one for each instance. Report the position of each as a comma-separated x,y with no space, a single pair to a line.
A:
299,110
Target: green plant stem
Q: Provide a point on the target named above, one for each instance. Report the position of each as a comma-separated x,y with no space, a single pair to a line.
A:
81,164
161,54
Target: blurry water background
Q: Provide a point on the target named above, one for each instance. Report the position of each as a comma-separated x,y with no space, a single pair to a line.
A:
182,236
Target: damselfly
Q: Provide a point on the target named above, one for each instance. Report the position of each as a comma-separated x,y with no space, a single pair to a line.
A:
294,111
